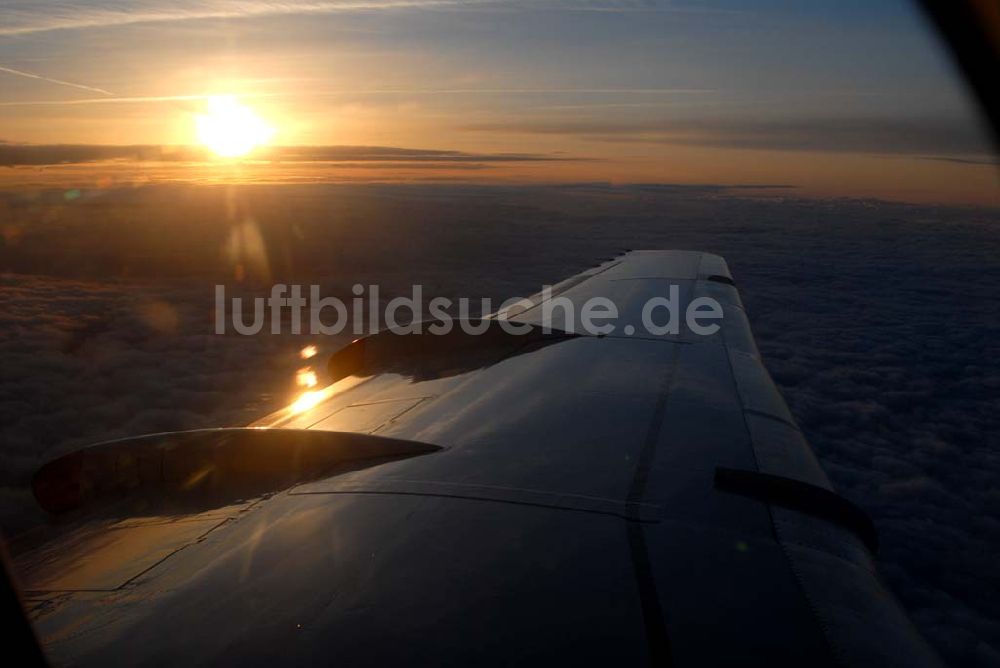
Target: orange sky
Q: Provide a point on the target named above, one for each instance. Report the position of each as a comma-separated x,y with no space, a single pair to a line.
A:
835,100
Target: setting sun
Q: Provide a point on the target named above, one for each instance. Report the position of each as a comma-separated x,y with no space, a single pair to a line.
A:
231,129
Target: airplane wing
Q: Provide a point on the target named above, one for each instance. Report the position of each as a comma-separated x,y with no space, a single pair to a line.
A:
633,497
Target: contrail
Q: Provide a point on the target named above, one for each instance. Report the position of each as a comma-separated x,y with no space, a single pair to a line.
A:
29,75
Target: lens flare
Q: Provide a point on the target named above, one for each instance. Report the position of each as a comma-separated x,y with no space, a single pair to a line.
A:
306,377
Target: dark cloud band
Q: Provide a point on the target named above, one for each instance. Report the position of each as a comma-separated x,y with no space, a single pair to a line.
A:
13,154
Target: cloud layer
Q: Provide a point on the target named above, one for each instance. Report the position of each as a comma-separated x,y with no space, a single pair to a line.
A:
36,16
44,15
861,134
880,322
14,154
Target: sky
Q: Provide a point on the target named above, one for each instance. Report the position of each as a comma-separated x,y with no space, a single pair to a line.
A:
838,99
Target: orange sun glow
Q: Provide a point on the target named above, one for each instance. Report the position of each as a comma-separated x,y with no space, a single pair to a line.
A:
230,129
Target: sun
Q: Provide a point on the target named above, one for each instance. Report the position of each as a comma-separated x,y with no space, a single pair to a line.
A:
231,129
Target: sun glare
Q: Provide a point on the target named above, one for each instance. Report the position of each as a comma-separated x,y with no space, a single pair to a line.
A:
231,129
